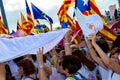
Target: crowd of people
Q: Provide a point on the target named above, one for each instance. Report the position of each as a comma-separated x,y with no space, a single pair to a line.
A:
93,59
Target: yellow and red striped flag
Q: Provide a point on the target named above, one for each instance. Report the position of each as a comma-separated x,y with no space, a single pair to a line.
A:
26,26
67,21
64,7
3,30
62,13
29,16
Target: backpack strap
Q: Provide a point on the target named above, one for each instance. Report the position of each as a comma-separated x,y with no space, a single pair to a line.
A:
74,78
83,77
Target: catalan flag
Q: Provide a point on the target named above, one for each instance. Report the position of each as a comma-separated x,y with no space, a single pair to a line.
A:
23,20
29,17
83,6
65,20
26,26
64,7
64,17
3,30
89,7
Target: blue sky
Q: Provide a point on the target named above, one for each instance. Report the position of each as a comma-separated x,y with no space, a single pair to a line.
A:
50,7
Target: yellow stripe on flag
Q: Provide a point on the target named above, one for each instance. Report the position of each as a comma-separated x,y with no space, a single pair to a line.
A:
111,36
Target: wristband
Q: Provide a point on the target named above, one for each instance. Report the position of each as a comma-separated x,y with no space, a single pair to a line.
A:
41,66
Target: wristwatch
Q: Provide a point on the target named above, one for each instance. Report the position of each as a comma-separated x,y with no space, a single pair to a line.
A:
41,66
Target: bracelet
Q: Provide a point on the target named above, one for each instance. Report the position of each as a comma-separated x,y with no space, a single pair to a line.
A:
40,66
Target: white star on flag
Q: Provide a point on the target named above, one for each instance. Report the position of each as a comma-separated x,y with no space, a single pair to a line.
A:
85,2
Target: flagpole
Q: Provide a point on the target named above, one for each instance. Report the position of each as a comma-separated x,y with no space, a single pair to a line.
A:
3,15
50,26
49,23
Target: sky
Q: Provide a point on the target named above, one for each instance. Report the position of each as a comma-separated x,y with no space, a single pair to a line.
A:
50,7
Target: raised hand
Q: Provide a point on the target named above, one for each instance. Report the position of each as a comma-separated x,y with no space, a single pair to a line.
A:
92,37
39,56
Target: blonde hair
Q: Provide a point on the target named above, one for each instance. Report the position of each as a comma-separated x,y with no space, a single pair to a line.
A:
114,51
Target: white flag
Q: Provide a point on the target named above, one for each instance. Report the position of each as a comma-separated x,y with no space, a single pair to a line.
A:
90,24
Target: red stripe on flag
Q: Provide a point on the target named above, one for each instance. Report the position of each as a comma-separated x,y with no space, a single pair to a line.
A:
95,8
108,29
106,37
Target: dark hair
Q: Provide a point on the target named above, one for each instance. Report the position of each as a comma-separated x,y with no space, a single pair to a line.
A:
34,58
116,43
58,50
103,45
28,66
61,47
114,51
71,63
44,58
82,58
18,59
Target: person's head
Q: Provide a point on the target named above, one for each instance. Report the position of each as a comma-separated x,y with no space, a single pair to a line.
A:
103,45
58,50
16,60
52,52
70,65
26,67
115,53
28,56
82,58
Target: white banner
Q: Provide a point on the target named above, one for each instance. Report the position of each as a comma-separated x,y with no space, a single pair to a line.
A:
20,46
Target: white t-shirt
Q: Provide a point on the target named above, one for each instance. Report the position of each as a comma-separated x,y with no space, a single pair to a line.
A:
88,74
55,75
115,76
14,70
27,79
32,76
103,73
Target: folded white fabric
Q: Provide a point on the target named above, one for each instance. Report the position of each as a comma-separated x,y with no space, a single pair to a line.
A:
19,46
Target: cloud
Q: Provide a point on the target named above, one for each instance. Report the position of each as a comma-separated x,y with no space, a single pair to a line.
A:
13,5
46,4
104,4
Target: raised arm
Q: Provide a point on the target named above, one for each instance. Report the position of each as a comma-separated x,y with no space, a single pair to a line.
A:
67,44
94,55
107,61
42,75
2,72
